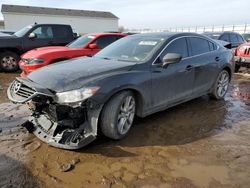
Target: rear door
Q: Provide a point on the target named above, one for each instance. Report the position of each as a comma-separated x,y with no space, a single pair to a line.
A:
174,83
205,58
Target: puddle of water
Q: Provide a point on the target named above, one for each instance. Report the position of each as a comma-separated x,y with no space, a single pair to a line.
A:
241,90
210,137
201,175
5,80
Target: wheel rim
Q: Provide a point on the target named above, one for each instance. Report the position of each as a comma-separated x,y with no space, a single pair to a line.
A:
9,62
223,84
126,115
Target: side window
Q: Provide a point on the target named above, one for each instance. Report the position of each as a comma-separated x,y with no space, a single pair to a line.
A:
233,38
62,31
178,46
224,37
104,41
212,46
240,39
199,46
43,32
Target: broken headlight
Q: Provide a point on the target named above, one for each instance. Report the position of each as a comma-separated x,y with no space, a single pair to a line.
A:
75,95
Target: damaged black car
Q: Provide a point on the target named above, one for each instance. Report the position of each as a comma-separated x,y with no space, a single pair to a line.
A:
138,75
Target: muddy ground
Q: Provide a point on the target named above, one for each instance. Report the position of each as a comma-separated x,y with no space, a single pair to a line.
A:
202,143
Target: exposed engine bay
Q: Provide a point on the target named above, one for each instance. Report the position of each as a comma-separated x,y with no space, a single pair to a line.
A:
59,125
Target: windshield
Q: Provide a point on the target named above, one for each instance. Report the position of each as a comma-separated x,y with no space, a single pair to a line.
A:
80,42
134,49
23,31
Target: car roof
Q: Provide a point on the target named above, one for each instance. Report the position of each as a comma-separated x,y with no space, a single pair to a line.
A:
107,34
168,34
220,33
37,24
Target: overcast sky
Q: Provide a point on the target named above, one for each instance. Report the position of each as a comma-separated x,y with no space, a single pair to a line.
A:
157,13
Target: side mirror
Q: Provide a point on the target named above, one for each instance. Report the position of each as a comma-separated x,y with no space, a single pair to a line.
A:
171,58
248,40
93,46
32,35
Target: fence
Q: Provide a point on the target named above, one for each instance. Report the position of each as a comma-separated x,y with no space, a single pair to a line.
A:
241,28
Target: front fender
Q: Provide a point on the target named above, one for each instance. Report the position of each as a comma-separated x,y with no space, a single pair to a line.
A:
137,81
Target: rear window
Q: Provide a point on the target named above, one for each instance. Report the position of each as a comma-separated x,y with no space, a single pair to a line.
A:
200,46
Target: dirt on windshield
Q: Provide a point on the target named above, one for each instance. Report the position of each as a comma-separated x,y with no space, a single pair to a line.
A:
201,143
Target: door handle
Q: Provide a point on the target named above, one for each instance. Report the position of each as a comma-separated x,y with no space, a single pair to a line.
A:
189,67
217,59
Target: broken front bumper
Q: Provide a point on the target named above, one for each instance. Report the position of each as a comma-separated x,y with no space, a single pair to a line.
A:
70,126
61,140
64,134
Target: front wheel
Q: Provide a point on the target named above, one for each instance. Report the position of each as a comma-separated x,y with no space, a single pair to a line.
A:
221,85
118,115
9,61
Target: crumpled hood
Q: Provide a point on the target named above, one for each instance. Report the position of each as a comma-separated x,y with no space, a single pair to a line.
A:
37,52
76,73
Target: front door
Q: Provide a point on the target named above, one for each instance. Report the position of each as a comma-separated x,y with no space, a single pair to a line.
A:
43,37
174,83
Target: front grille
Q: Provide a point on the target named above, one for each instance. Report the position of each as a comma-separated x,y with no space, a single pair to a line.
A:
20,92
247,51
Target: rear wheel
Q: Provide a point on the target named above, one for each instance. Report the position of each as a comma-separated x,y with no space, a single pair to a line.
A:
118,115
221,85
9,61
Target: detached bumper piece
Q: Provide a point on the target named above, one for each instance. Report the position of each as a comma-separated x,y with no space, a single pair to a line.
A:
61,126
69,139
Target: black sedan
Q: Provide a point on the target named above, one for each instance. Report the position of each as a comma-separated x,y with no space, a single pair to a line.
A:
235,39
135,76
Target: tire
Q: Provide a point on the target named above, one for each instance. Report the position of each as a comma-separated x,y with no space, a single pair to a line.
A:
221,85
9,61
237,68
118,115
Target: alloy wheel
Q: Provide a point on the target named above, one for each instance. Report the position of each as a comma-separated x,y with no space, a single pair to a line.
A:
223,84
126,115
9,62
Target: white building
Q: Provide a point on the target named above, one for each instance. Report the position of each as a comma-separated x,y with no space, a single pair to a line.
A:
82,21
1,24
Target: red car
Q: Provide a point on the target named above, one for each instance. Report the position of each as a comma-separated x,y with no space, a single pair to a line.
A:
242,56
86,45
